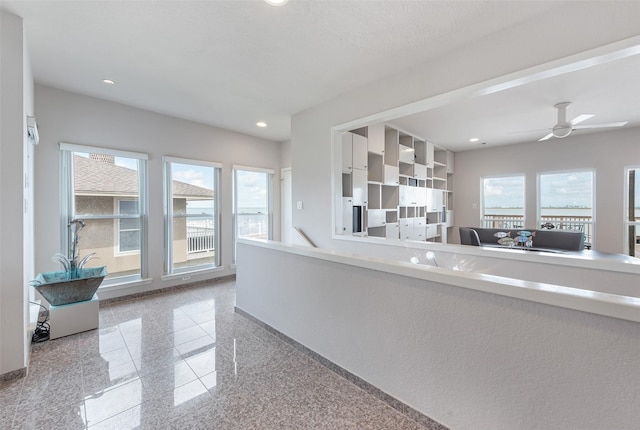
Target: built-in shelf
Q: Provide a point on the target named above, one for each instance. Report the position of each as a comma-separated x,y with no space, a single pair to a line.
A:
395,185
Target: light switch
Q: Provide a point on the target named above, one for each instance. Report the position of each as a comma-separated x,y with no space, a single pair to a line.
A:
299,206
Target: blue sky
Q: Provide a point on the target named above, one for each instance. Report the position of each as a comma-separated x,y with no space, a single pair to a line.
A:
556,190
566,189
252,186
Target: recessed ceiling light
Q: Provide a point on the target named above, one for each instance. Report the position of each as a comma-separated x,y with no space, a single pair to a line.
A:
108,81
474,139
276,2
261,124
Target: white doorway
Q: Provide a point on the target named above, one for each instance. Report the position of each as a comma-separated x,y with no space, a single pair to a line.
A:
286,209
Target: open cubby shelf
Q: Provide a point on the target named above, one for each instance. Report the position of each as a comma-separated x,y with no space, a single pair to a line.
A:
377,162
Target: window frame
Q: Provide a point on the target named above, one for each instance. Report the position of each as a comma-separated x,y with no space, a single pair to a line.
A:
590,226
626,222
119,229
270,175
169,216
483,221
67,204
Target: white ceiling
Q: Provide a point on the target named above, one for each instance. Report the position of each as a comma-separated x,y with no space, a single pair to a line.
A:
233,63
525,113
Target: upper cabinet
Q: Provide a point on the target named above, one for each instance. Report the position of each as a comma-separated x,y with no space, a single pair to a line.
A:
430,155
449,161
347,152
407,154
359,152
354,152
375,137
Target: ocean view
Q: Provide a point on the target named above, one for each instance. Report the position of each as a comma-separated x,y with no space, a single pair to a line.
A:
565,212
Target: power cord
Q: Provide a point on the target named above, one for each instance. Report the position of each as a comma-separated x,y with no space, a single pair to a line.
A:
41,332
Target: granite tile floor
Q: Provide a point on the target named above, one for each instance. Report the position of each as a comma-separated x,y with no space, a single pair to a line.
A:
184,359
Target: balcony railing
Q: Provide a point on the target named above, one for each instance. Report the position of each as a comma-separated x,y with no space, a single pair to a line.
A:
254,225
200,239
583,224
501,221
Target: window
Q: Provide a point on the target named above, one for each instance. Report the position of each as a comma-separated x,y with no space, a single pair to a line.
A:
107,189
191,208
129,228
252,203
566,202
503,202
632,216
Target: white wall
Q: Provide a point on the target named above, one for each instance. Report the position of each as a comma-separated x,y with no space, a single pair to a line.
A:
607,154
285,153
28,167
16,101
73,118
549,37
466,358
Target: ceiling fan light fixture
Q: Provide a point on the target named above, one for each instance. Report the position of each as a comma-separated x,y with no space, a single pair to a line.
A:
562,130
276,2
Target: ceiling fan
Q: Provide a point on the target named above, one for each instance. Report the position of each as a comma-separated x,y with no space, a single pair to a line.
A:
564,128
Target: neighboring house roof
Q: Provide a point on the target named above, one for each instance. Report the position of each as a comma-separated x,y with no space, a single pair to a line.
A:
95,177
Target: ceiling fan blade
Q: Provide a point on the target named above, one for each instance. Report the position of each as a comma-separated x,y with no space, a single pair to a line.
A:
607,125
580,118
548,136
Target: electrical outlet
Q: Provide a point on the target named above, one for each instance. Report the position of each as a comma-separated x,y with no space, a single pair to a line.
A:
186,277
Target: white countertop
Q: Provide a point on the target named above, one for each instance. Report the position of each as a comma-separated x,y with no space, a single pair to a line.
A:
612,305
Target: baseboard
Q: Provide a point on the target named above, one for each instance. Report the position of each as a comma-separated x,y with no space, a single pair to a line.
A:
166,289
14,374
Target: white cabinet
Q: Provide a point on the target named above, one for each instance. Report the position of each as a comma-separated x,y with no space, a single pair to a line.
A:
421,196
391,175
412,229
420,171
434,200
408,195
354,152
347,153
375,139
407,154
413,196
431,231
406,228
430,154
419,229
359,151
376,218
438,200
392,231
360,189
346,224
448,221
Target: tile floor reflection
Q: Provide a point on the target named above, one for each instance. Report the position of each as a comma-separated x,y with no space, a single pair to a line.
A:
184,360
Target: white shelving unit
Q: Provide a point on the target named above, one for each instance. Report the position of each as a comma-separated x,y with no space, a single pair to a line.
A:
395,185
